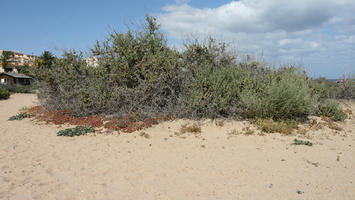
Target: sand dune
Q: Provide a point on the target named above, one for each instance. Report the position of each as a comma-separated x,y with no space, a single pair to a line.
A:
37,164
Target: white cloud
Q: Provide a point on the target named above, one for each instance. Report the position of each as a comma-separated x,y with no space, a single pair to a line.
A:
314,32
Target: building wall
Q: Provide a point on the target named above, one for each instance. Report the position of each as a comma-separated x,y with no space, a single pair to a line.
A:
9,79
20,59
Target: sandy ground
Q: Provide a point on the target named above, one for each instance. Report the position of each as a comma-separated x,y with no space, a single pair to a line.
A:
37,164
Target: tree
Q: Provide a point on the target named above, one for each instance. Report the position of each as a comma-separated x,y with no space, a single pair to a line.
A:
5,57
42,65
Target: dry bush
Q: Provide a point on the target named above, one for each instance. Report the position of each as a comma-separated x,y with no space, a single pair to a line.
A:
232,133
314,125
248,131
144,134
331,124
219,122
271,126
335,126
349,112
302,131
326,122
192,128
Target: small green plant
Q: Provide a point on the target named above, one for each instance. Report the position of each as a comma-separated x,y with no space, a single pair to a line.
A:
331,109
302,142
4,94
20,116
77,131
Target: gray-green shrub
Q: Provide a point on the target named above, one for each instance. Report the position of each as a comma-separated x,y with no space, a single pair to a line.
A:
137,72
286,95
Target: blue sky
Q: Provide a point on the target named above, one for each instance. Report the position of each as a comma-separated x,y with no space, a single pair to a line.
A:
319,34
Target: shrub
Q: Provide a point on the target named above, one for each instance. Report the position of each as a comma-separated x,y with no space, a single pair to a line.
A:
17,88
214,81
331,109
136,72
4,94
346,89
321,87
77,131
286,96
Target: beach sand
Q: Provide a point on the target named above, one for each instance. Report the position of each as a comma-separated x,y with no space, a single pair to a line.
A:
37,164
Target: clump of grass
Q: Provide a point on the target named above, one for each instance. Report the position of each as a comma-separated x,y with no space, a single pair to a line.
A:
331,109
20,116
271,126
77,131
302,142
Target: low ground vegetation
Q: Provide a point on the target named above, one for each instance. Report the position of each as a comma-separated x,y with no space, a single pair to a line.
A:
77,131
20,116
302,142
137,76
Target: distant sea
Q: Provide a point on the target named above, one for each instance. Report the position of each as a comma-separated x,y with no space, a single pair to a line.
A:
333,80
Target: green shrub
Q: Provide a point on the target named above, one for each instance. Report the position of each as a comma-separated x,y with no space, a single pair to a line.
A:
77,131
4,94
331,109
20,116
